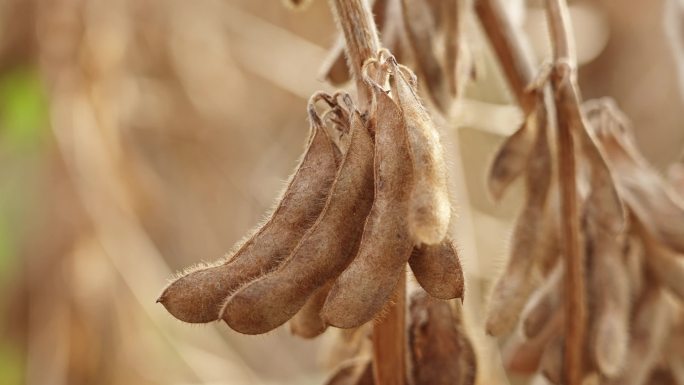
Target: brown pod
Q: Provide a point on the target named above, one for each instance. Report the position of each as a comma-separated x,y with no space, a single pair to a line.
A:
650,327
643,189
197,296
307,323
439,348
534,245
551,365
511,158
666,265
363,288
437,269
634,258
429,206
356,371
523,356
323,252
608,288
533,255
543,304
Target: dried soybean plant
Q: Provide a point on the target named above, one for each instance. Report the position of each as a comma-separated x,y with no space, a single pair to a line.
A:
602,314
369,196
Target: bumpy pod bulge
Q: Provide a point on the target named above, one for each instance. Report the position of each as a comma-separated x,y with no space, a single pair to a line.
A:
429,206
363,288
437,269
307,323
439,348
323,252
198,295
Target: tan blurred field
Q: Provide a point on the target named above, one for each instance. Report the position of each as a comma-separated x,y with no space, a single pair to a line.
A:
138,137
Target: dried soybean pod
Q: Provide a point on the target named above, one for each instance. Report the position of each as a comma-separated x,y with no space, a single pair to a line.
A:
543,304
429,207
642,188
307,323
439,348
356,371
608,288
523,356
551,365
322,253
511,158
368,282
534,245
649,333
634,263
198,295
666,265
438,270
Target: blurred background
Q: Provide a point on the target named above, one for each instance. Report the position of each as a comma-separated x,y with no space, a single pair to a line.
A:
138,137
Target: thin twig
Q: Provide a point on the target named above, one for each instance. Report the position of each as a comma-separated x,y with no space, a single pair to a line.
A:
568,117
355,19
515,62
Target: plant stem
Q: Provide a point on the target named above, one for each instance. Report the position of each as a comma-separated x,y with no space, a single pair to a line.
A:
515,62
355,19
568,117
389,341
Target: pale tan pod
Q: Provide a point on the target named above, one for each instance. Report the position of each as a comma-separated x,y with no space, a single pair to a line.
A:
543,304
666,265
523,356
534,245
650,327
197,296
323,252
634,263
609,295
511,158
429,206
307,323
437,269
367,283
551,365
641,187
439,348
608,286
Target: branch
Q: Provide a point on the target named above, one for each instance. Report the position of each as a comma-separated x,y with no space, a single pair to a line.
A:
355,19
568,117
515,62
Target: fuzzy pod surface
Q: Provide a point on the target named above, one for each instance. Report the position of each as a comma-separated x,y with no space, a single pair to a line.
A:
429,207
368,282
197,296
322,253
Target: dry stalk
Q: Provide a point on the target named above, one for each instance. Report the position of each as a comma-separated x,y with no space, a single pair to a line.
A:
355,19
569,120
